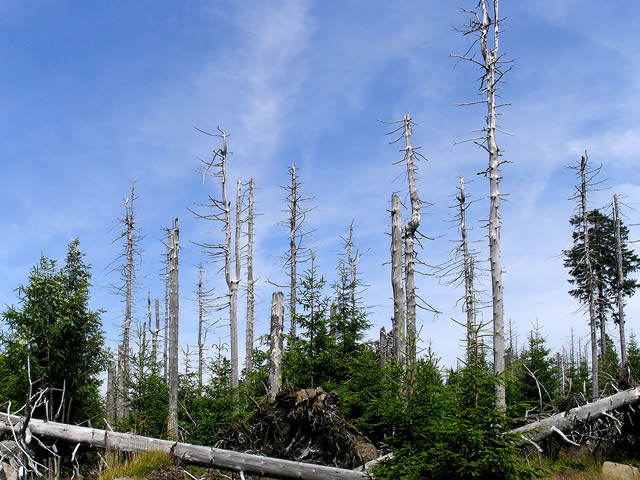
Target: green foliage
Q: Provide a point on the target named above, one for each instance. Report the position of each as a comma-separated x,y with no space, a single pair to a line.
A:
60,335
533,380
453,430
633,355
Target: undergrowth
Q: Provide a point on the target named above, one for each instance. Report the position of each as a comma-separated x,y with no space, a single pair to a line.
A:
137,465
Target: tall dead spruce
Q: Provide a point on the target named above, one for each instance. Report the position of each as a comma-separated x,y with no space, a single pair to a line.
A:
221,212
486,28
586,176
250,283
297,215
407,344
174,309
128,273
620,281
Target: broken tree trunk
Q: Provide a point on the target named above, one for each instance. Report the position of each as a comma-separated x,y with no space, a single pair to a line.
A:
250,284
399,348
566,421
201,455
172,424
467,270
277,325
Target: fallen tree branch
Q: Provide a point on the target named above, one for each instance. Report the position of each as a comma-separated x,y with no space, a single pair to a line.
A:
201,455
567,421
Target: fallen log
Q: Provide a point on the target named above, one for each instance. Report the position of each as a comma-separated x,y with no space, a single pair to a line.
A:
197,454
564,422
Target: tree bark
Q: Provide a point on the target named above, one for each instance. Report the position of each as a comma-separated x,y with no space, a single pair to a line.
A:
112,389
490,57
409,249
250,283
399,345
235,281
165,357
620,278
122,411
174,306
200,455
154,341
293,250
590,279
275,356
200,328
566,421
467,269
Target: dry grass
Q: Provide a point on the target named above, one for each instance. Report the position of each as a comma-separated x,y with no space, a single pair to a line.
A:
137,465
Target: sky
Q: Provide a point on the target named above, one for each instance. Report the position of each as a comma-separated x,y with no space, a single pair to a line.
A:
100,94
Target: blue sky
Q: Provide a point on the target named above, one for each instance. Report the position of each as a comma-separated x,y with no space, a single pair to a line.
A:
97,94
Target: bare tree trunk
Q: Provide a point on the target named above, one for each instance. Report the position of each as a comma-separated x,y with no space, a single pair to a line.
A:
353,265
382,347
293,250
174,309
165,358
399,345
467,269
200,329
233,307
112,389
122,412
200,455
126,342
620,279
154,338
409,248
250,283
277,325
590,279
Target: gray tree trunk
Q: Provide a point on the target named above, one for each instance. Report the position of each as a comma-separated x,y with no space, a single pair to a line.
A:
174,309
154,341
490,57
293,250
620,279
591,288
200,455
275,356
235,281
250,283
112,389
399,334
409,249
122,412
165,353
200,328
469,306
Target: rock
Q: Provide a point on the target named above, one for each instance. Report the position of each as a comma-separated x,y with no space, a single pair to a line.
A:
619,471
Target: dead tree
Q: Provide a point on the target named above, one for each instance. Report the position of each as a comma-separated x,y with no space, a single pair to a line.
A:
221,212
174,309
250,283
154,337
112,389
297,215
586,177
620,281
130,232
165,357
201,337
399,335
233,290
481,26
121,410
275,356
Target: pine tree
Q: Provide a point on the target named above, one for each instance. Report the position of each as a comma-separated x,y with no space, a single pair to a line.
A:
55,328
